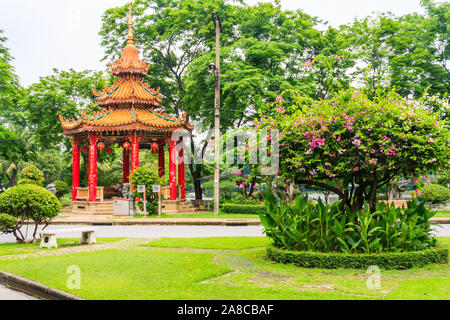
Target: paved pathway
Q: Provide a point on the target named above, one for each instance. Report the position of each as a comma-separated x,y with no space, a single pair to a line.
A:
124,244
8,294
155,231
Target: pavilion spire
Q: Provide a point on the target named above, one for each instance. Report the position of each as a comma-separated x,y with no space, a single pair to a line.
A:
130,39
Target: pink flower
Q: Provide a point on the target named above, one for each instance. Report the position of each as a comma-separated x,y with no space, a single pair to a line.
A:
308,64
356,142
431,140
338,139
279,99
356,169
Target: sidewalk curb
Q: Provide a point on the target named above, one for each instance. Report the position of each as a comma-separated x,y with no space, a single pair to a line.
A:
184,222
166,222
34,288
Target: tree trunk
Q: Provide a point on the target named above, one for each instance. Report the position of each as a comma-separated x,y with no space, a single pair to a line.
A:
197,186
252,187
13,181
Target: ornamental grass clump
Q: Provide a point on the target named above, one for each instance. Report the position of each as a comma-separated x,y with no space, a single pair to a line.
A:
308,226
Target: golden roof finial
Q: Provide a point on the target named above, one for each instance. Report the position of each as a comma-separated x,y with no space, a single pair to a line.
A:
130,38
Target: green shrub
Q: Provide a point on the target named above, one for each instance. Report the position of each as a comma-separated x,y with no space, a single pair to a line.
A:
242,208
435,193
306,226
29,202
7,223
31,175
390,260
444,180
61,188
382,197
147,177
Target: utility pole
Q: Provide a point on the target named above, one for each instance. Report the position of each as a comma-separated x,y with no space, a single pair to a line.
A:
218,26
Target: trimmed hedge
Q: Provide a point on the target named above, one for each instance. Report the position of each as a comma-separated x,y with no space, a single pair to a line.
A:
435,193
395,260
242,208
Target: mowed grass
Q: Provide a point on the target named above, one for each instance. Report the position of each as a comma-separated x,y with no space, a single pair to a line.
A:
204,215
442,214
232,243
15,248
197,269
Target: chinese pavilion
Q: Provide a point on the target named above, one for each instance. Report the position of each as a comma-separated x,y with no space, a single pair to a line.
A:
133,118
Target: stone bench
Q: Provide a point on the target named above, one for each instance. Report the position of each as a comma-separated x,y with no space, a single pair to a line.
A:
48,237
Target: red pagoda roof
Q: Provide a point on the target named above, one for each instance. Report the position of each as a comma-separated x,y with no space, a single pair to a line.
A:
129,91
123,118
129,104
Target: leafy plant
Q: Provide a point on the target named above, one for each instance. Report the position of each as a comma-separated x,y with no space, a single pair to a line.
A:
307,226
435,193
29,202
32,175
7,223
147,177
61,188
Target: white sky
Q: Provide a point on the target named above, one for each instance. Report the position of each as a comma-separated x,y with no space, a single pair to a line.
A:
63,34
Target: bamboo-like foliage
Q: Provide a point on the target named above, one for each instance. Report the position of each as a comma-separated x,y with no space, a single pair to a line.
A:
307,226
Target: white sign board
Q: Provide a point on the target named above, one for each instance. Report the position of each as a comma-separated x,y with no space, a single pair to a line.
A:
141,188
156,188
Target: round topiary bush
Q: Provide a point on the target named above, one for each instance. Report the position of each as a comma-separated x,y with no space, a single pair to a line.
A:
435,193
29,202
61,188
31,175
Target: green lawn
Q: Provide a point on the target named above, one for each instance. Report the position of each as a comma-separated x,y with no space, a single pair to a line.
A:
234,243
15,248
204,215
442,214
201,269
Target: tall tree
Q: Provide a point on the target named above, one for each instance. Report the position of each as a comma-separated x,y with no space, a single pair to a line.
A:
63,93
263,53
409,53
9,83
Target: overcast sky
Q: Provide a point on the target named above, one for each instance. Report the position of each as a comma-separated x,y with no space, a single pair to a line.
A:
63,34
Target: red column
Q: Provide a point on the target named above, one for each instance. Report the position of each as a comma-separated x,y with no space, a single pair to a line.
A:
126,166
161,160
75,168
134,152
172,171
181,171
92,179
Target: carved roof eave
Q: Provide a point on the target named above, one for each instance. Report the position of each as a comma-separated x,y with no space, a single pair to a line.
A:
134,101
126,127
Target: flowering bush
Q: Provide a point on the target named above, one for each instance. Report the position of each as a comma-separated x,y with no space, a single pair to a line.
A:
352,145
